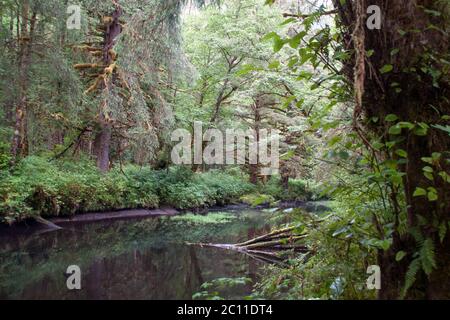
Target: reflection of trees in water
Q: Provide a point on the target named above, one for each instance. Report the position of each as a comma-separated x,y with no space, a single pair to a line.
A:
193,278
140,260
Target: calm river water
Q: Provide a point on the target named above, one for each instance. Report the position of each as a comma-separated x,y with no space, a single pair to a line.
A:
145,259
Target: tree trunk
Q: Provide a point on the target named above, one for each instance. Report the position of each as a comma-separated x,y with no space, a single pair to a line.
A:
417,59
19,144
102,143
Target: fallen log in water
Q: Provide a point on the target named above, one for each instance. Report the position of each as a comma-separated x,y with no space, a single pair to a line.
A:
269,248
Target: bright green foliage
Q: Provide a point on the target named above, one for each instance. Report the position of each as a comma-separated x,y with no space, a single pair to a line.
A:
40,187
185,189
212,289
298,189
211,218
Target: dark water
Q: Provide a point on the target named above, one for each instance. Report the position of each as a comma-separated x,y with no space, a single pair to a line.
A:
146,259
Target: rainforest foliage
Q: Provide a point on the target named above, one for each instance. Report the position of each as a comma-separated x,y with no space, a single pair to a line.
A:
86,117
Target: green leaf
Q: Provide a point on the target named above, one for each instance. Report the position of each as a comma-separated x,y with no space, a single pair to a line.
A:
287,21
386,68
269,36
390,144
295,41
420,192
432,194
275,64
406,125
391,118
246,69
436,156
429,176
400,255
378,145
278,44
445,176
427,256
410,276
422,129
401,153
428,169
395,130
394,51
445,129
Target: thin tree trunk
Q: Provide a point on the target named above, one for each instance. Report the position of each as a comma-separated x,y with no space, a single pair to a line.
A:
19,144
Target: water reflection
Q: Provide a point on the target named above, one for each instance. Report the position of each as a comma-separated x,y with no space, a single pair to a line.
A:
145,259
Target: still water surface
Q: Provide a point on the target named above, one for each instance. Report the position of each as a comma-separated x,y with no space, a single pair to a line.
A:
146,259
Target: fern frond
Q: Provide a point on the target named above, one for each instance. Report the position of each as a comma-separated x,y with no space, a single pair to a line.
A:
410,276
427,256
417,235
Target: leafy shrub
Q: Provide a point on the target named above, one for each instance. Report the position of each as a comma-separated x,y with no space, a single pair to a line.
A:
298,189
183,189
215,289
39,187
5,158
257,199
223,187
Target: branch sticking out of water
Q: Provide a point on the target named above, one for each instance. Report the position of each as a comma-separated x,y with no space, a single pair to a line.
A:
269,248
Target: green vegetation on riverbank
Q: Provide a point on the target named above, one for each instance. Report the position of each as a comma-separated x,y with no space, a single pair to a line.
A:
40,187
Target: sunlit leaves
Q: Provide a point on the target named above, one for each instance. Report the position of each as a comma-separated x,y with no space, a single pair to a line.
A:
278,44
420,192
395,130
431,193
246,69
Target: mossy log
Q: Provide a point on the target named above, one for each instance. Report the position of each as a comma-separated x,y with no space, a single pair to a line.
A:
88,66
268,248
280,233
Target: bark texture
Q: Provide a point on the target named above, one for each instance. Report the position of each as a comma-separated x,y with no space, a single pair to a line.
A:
414,40
19,144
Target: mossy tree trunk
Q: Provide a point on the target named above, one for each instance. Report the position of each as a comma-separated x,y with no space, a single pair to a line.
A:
102,142
407,75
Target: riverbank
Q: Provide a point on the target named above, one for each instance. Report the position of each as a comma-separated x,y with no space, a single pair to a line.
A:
42,188
39,225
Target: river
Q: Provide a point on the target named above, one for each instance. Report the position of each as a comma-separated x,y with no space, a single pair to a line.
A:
133,259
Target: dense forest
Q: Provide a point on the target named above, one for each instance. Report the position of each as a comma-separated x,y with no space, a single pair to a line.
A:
352,96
